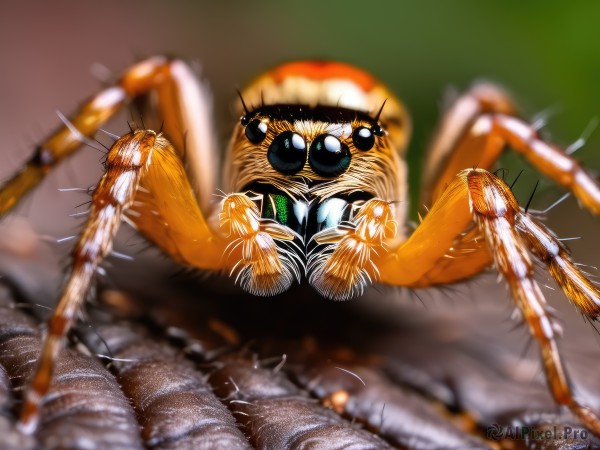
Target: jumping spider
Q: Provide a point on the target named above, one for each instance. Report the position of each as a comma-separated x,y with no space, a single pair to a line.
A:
318,191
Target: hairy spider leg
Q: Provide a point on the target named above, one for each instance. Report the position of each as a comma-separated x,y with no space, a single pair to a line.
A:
449,151
125,163
476,131
454,148
165,211
140,166
184,106
473,133
510,235
451,214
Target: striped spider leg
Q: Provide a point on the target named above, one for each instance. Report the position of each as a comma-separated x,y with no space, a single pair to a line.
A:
473,133
145,183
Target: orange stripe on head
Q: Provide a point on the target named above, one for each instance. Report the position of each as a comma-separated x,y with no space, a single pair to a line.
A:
324,70
333,84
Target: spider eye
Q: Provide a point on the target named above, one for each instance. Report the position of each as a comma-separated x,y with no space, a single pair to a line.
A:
363,138
256,131
287,153
329,157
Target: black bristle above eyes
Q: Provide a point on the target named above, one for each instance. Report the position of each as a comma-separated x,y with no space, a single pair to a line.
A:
320,113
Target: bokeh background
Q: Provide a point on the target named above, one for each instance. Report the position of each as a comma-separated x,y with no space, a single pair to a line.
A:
546,53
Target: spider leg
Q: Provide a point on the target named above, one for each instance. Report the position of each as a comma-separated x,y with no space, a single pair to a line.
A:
552,161
510,234
183,104
166,212
453,148
555,256
132,158
475,131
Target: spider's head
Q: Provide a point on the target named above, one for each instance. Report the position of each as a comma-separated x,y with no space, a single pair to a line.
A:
316,130
315,141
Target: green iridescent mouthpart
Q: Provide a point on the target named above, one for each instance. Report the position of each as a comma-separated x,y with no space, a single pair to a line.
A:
282,204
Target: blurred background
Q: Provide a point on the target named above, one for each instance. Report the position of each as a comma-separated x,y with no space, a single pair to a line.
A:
545,52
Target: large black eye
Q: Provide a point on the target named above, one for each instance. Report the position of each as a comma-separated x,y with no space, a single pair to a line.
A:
363,138
287,153
328,156
256,131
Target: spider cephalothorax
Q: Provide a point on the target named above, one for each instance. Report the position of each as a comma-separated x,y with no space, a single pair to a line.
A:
315,163
317,189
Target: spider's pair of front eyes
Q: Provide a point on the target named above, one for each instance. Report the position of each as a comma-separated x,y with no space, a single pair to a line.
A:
327,155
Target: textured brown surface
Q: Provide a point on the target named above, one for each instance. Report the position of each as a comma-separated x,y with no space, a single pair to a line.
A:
191,364
172,388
